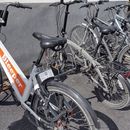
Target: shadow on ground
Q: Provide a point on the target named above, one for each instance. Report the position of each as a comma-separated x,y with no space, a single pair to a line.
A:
106,122
126,108
22,124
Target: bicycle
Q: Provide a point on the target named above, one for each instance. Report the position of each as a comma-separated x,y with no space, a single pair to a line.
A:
86,36
51,105
122,24
93,69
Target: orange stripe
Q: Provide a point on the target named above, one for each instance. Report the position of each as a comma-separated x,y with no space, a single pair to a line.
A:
19,83
1,53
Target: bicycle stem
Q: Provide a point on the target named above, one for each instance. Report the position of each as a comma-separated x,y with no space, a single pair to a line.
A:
63,31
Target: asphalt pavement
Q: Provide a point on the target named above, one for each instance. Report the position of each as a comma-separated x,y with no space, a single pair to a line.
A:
13,117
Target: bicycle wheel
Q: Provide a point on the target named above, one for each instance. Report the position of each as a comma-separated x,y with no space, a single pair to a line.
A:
84,37
118,96
67,107
124,56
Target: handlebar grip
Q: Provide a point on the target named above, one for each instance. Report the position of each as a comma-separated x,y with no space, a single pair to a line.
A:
19,5
102,1
110,8
93,4
115,7
87,5
73,2
65,3
55,4
78,1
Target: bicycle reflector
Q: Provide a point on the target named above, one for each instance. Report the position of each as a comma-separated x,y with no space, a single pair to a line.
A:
126,74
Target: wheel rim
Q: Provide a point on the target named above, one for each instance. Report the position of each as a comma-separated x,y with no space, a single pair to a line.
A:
84,38
73,119
118,95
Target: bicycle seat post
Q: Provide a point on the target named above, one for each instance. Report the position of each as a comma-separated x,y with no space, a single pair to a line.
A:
39,57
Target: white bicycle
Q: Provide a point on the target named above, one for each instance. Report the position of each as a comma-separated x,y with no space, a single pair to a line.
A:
53,105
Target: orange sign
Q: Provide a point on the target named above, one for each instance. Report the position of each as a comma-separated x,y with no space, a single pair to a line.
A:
18,81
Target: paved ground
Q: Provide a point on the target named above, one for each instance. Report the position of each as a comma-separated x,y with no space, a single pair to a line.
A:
13,117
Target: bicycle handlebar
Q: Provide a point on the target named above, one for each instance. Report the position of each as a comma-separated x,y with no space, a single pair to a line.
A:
116,7
93,4
102,1
19,5
65,3
5,11
87,5
55,4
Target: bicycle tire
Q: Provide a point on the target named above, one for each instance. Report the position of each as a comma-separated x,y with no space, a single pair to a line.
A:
119,91
124,55
84,106
83,43
104,99
123,95
84,36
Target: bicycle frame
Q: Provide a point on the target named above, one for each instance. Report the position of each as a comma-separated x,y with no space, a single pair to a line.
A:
95,64
22,86
87,56
118,18
16,77
88,26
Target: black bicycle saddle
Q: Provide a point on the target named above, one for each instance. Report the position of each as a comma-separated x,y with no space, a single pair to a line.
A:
48,41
